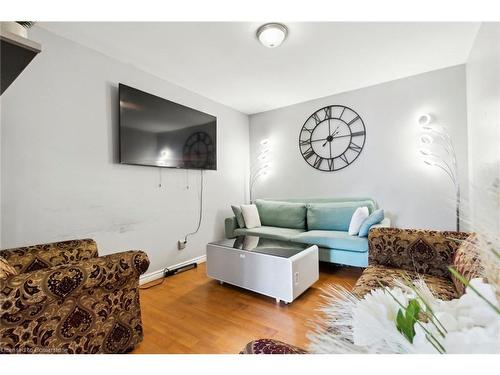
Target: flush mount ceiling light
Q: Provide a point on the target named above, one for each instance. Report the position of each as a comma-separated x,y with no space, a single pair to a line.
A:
271,35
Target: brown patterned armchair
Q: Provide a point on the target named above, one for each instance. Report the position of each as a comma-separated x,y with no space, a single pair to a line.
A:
66,299
414,253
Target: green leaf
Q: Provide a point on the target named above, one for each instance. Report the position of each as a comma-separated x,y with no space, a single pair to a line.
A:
405,320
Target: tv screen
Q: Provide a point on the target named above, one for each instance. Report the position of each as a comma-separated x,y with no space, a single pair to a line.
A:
158,132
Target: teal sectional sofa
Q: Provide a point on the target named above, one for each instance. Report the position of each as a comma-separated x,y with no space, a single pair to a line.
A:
322,222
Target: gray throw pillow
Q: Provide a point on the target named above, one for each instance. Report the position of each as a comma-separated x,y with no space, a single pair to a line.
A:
239,216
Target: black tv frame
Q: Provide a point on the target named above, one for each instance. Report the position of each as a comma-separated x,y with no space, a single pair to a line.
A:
120,85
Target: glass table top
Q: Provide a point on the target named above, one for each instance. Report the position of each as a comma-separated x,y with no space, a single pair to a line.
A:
254,244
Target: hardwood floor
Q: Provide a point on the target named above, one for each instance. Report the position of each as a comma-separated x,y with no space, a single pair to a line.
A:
191,313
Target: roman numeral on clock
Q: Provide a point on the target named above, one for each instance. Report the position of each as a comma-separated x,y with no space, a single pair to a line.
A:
328,112
355,134
344,158
330,164
342,113
353,121
353,146
308,153
316,118
305,142
317,162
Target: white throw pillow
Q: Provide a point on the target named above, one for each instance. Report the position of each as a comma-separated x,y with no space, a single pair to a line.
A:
357,219
251,215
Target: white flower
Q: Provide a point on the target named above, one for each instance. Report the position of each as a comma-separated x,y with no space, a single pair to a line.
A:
374,320
472,325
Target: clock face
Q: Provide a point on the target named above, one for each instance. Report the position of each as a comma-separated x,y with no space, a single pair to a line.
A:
199,151
332,138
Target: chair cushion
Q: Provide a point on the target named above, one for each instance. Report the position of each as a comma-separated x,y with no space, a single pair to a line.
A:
275,233
282,214
333,216
333,240
441,287
270,346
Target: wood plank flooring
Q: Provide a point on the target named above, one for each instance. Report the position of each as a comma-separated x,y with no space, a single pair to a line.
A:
191,313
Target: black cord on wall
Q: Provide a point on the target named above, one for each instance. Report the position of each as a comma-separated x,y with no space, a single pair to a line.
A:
200,218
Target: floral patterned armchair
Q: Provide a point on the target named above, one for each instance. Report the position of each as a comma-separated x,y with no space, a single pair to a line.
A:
414,253
66,299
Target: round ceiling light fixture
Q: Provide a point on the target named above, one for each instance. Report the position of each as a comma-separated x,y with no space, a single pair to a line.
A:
271,35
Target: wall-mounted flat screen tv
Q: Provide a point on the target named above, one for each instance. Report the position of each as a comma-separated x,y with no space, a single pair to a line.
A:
160,133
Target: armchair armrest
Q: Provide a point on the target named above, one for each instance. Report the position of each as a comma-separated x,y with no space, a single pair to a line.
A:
90,306
422,251
32,258
230,224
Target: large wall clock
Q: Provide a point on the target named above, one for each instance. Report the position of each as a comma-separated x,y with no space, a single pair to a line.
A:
332,138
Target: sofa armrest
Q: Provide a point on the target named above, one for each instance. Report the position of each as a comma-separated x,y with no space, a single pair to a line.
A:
90,306
32,258
230,224
422,251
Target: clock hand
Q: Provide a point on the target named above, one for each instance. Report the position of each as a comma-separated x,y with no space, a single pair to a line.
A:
335,131
341,136
330,137
316,140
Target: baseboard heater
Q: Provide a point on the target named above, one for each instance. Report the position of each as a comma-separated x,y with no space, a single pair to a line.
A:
177,270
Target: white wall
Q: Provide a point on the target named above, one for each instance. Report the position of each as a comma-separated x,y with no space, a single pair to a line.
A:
483,104
389,168
60,176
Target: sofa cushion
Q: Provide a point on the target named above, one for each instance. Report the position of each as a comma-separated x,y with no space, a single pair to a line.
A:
418,250
376,217
441,287
238,214
333,240
357,219
250,215
276,233
282,214
333,216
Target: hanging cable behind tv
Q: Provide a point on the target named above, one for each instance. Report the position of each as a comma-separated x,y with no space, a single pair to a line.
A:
182,243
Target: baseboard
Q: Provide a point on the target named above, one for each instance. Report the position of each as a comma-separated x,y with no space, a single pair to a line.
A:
155,275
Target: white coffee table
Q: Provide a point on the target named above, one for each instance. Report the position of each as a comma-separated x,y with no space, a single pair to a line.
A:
279,269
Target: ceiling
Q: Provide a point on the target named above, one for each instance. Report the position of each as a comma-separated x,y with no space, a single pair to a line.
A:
224,61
